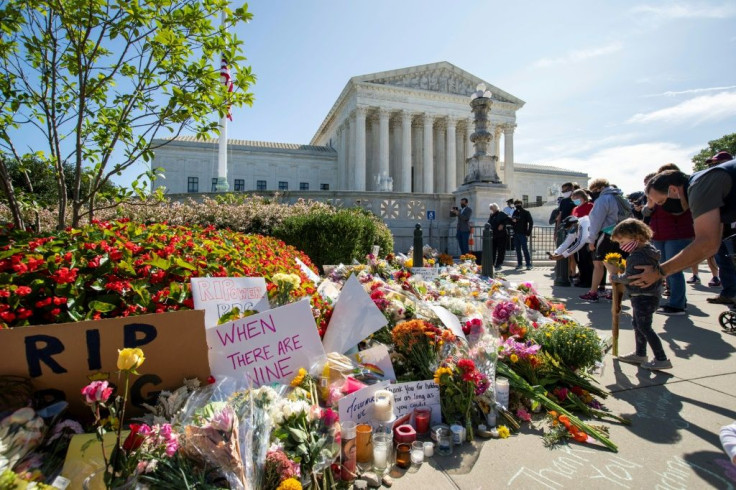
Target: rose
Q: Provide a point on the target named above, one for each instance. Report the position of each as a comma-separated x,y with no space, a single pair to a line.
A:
138,433
130,359
96,392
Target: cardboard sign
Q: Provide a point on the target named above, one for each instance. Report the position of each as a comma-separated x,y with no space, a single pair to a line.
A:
377,360
408,396
426,273
218,295
358,406
269,347
61,359
449,319
354,318
84,456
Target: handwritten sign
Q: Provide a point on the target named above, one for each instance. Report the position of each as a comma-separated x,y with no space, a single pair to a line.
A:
218,295
269,347
354,318
377,360
61,359
449,319
426,273
358,406
408,396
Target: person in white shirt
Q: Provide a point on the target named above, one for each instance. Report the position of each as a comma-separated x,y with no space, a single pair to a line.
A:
509,209
578,232
728,441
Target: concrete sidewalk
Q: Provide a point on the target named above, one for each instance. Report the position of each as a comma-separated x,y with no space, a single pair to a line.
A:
676,414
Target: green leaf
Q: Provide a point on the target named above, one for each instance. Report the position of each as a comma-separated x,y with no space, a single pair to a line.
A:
298,434
184,264
160,262
101,306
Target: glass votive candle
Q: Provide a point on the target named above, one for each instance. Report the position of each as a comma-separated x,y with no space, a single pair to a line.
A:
428,449
381,453
417,453
421,419
403,456
363,443
444,442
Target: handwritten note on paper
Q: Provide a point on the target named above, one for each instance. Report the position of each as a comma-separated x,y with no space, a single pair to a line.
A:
358,406
218,295
426,273
408,396
269,347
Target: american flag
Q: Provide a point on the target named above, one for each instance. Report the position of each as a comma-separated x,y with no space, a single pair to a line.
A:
225,76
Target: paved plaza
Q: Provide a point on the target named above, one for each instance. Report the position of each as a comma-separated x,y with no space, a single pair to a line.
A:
672,442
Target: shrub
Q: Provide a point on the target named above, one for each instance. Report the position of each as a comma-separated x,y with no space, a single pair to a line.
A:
335,237
111,269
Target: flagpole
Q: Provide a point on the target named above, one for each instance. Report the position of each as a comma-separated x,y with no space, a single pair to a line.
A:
222,184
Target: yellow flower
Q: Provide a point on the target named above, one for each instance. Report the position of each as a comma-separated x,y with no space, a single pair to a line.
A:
299,377
503,432
130,359
290,484
409,263
514,358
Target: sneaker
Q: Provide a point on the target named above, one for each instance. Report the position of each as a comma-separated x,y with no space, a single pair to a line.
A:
592,297
720,300
715,282
656,365
529,267
608,294
693,280
519,267
671,311
632,358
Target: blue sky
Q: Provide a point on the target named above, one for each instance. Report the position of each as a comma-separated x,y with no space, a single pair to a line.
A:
612,88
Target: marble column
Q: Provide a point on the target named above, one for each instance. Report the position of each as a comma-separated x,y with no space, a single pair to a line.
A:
383,169
497,140
469,149
359,164
439,155
417,156
341,167
508,150
492,128
405,152
450,162
349,150
428,160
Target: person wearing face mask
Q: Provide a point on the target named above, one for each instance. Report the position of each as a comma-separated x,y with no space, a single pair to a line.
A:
609,208
523,223
566,205
672,229
711,197
582,202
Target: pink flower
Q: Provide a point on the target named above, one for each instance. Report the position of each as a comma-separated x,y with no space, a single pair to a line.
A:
96,392
523,415
329,417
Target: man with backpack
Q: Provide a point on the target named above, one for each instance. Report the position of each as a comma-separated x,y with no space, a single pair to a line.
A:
610,207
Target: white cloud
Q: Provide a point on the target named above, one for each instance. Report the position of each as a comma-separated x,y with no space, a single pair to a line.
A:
687,11
695,111
671,93
577,56
626,165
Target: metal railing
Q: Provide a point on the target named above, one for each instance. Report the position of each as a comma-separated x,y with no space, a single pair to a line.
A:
542,241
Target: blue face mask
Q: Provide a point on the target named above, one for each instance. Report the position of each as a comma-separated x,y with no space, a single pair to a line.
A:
577,202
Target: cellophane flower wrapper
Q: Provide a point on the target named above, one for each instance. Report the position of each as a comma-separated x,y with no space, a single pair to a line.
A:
226,426
20,433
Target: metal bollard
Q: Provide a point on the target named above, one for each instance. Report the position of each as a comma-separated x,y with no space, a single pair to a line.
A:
486,260
561,267
418,258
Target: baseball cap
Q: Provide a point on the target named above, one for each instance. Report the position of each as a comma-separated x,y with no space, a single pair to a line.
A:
721,156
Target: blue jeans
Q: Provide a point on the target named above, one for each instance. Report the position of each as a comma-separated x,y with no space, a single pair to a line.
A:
726,272
520,243
462,241
676,281
643,310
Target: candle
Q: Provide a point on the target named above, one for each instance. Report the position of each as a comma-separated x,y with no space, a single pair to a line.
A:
382,445
417,452
348,450
502,391
444,441
421,419
383,406
428,449
403,458
363,443
380,456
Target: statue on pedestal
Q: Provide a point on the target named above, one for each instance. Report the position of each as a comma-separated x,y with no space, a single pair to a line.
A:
481,166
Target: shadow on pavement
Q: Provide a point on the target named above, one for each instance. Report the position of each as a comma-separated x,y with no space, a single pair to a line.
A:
700,341
712,467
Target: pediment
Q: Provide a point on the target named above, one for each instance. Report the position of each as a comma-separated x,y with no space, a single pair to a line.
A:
440,77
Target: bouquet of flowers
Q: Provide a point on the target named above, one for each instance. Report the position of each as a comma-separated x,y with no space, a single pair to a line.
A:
20,433
419,342
615,260
460,383
283,284
575,345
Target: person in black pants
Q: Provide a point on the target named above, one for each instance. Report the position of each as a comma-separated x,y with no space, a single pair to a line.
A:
523,224
498,221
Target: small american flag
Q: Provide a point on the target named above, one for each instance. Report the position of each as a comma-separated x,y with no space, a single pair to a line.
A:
227,81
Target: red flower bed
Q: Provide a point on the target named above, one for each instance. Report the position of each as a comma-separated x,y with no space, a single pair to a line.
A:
112,269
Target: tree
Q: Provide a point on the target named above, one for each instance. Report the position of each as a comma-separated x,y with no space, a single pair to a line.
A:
98,80
724,143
